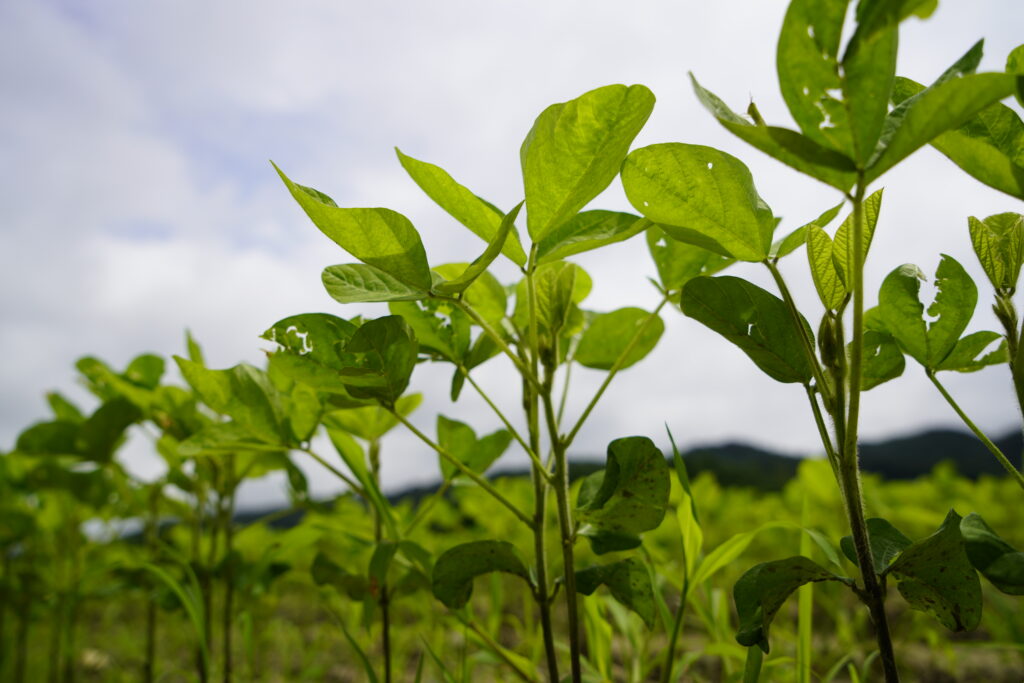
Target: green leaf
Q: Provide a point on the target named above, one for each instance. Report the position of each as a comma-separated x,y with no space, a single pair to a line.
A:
996,559
842,246
902,312
446,334
882,359
357,283
456,568
243,393
608,335
145,371
315,336
967,356
379,359
325,572
100,435
935,576
478,266
796,239
632,496
556,286
49,438
869,66
789,147
575,149
874,16
808,68
220,438
63,409
195,352
485,294
588,230
998,242
461,442
464,206
755,320
1015,65
886,541
702,196
679,262
629,583
948,104
372,422
355,459
304,412
824,271
378,237
988,146
762,590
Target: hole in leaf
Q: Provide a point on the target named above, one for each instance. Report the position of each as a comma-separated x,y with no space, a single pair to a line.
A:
810,31
710,165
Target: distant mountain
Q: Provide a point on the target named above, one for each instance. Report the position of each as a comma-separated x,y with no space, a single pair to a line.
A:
737,464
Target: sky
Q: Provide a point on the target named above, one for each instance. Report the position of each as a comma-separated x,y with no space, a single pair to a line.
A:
137,198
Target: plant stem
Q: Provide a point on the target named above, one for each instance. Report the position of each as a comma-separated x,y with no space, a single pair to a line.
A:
798,322
459,465
152,529
994,449
498,339
673,638
336,472
384,600
614,371
849,467
819,421
496,649
529,450
565,526
228,522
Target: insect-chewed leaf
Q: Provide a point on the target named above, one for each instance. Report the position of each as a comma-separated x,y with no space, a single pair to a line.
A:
935,576
379,359
588,230
998,242
702,196
631,498
953,100
461,442
481,217
477,268
629,583
313,335
456,568
609,334
869,66
997,560
808,69
575,149
763,589
886,541
902,312
755,320
789,147
360,283
378,237
969,353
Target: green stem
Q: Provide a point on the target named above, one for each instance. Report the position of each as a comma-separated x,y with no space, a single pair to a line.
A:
673,638
494,335
336,472
459,465
531,452
994,449
383,600
616,366
798,322
849,467
496,649
819,421
565,525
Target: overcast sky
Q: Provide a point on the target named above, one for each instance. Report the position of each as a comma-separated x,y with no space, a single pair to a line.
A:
136,197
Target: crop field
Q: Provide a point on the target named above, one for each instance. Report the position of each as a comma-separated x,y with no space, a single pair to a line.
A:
634,571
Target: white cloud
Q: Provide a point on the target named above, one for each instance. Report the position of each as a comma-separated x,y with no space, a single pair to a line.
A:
136,199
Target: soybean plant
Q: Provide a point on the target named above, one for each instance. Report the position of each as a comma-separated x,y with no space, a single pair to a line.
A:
847,138
460,314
